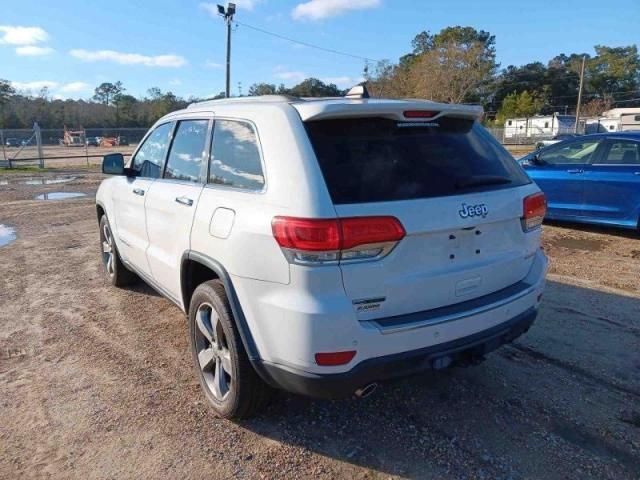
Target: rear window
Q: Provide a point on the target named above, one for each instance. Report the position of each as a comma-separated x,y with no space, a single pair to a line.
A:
378,159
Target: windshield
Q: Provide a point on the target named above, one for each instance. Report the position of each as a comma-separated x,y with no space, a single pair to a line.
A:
378,159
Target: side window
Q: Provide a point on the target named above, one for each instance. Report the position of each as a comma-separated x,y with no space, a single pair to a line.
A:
622,152
187,151
235,156
150,157
571,152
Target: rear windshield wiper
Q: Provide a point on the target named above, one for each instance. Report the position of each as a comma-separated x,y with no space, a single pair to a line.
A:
481,180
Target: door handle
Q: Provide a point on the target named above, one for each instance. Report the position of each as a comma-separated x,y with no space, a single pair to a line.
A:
138,191
575,170
184,201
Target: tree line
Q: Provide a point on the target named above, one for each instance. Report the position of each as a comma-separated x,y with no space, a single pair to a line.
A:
456,64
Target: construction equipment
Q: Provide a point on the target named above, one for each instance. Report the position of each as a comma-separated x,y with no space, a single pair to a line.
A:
73,138
109,142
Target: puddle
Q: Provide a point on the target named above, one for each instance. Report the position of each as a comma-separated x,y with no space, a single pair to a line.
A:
59,195
47,181
38,180
7,235
587,244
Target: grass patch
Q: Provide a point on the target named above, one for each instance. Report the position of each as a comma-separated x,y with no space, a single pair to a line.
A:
34,169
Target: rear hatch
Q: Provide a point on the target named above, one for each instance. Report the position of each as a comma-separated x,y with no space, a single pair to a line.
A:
456,191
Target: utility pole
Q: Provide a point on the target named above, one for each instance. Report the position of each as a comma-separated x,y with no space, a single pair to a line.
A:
228,14
575,130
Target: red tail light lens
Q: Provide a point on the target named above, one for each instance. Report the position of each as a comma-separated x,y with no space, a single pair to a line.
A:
307,234
420,114
334,358
365,230
534,208
307,240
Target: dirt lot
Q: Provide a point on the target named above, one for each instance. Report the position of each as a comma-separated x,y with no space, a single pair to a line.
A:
97,382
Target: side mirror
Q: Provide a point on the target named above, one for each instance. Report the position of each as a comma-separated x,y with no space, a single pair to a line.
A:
113,164
536,160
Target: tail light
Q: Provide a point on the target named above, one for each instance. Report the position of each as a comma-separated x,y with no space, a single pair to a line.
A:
534,208
419,114
311,241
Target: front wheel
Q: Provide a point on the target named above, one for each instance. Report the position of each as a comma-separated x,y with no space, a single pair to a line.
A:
230,383
116,272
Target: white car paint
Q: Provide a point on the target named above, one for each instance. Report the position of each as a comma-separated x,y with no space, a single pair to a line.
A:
293,310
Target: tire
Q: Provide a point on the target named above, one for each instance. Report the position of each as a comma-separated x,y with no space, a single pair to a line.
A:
231,385
115,270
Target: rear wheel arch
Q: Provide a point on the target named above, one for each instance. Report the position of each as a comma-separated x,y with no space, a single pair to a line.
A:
100,210
197,268
192,274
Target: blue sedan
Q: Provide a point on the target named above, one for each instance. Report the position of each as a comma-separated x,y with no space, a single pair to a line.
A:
591,178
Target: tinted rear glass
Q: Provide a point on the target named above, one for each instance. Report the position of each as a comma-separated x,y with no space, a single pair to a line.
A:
378,159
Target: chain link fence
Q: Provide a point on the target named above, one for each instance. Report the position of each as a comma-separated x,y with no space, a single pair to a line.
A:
532,131
50,147
59,146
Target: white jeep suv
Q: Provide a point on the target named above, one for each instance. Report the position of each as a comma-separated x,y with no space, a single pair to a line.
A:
323,245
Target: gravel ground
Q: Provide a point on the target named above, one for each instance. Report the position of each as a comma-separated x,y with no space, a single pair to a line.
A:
97,382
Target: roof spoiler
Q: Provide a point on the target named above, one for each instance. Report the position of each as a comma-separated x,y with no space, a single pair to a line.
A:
359,91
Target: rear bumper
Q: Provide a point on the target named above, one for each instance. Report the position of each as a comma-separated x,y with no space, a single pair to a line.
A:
397,365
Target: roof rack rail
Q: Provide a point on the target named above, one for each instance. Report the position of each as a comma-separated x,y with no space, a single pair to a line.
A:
257,98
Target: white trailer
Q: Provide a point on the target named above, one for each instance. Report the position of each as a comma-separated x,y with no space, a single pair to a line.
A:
538,127
616,120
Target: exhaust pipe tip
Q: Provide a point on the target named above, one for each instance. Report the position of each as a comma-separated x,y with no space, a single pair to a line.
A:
367,390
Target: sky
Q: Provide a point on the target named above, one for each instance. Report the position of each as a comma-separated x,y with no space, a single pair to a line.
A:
71,46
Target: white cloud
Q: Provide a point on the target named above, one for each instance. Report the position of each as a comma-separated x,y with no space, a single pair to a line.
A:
295,76
172,61
212,64
247,4
175,82
320,9
212,8
74,87
342,82
14,35
33,51
56,89
35,85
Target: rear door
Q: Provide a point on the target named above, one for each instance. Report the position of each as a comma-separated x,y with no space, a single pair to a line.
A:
560,175
456,191
612,183
172,202
130,194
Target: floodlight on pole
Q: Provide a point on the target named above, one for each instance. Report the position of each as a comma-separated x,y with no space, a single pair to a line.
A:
227,14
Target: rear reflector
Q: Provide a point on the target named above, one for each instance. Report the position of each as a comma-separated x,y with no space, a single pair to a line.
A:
534,208
308,240
334,358
420,114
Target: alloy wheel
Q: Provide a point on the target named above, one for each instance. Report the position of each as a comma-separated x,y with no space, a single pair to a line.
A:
107,249
214,357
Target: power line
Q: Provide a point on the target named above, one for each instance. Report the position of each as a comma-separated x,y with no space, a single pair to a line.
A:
307,44
626,101
627,92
